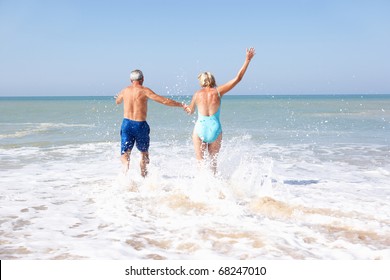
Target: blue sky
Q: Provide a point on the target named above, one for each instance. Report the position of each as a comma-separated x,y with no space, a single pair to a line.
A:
90,47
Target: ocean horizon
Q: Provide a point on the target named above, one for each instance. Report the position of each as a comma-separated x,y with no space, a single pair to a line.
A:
190,95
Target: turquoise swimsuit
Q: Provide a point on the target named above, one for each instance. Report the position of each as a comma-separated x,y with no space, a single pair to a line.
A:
209,128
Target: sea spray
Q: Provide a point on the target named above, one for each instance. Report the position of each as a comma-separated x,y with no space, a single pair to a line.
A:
314,195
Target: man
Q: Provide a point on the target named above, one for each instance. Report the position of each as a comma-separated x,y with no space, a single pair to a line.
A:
135,129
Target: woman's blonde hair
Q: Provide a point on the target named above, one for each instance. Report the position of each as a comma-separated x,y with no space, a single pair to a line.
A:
206,79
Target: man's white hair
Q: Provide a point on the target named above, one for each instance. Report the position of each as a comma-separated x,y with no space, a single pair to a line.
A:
136,75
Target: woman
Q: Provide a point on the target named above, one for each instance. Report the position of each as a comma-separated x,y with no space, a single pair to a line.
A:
208,130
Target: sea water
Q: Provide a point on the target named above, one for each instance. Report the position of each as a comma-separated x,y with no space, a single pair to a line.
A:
299,177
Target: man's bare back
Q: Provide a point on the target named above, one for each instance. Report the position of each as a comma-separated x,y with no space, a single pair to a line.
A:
135,101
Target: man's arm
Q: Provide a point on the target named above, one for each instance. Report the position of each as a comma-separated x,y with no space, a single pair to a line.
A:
250,53
119,98
163,100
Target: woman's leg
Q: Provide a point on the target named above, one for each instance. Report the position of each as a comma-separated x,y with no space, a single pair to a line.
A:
199,147
213,153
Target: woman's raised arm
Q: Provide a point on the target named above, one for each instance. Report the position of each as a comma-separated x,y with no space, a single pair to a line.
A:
250,53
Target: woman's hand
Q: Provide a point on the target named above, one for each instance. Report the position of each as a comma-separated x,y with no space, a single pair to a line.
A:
187,109
250,53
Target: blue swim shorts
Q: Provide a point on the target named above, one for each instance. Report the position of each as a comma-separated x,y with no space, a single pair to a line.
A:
134,132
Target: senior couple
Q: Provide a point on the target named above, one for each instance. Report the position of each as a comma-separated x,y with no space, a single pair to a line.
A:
207,135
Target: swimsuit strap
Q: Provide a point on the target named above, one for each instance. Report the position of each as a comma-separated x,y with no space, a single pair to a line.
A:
219,95
220,102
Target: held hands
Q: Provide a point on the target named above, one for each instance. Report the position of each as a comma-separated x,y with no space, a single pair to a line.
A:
186,108
250,53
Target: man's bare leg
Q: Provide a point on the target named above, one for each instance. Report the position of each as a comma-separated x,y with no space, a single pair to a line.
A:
144,162
213,153
125,159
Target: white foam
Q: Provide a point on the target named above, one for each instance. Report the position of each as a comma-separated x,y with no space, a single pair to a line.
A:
269,201
26,129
